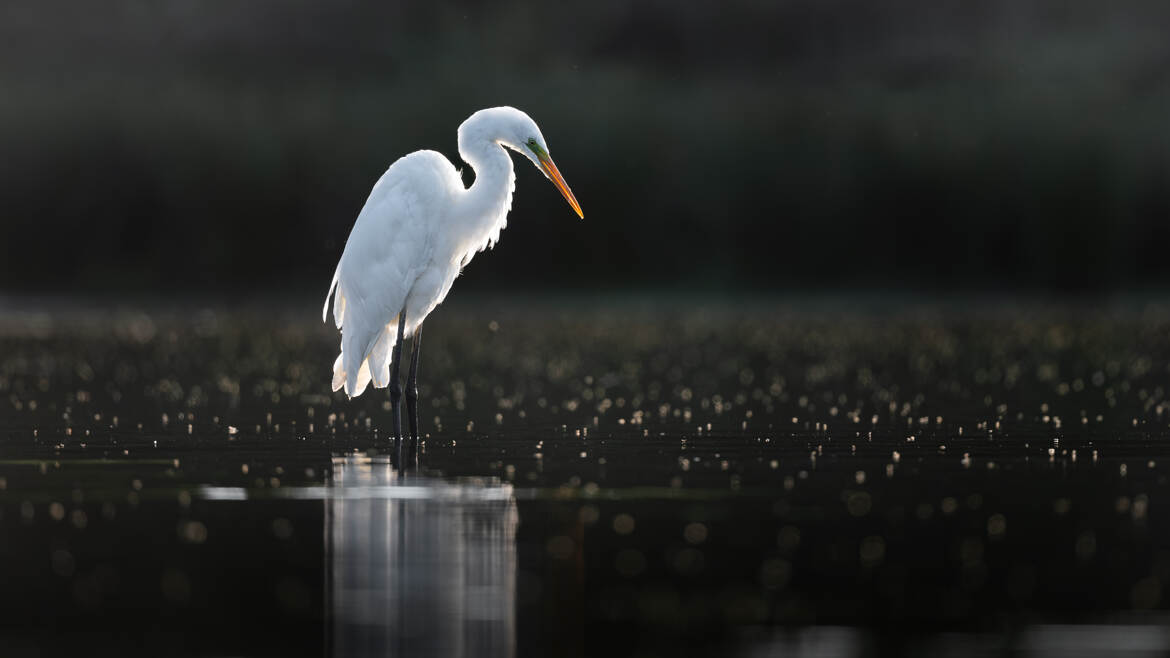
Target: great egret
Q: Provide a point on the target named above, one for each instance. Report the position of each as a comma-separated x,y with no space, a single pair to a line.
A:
420,226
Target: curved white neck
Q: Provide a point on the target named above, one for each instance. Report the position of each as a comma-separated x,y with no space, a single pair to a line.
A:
489,198
492,166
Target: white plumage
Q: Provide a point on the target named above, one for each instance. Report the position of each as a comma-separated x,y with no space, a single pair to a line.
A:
418,229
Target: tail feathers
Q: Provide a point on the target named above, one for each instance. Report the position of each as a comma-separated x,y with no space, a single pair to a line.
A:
338,373
363,379
379,359
354,386
375,366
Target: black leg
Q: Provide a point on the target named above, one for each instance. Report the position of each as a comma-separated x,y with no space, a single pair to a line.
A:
412,386
395,385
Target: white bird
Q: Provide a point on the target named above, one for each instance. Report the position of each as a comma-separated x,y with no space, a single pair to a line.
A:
420,226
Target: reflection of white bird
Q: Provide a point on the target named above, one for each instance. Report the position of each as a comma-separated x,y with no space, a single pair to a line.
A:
420,566
418,229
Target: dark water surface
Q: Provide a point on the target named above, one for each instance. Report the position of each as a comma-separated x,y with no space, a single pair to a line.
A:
623,479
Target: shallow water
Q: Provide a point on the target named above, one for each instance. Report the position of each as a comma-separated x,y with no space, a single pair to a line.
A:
595,479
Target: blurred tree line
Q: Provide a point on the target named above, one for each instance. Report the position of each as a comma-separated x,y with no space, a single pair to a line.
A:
211,145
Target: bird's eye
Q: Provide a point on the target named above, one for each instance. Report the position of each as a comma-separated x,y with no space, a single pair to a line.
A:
532,141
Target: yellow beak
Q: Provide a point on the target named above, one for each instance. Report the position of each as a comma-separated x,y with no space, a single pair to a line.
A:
554,175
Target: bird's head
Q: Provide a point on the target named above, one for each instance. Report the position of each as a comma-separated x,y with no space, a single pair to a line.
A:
516,130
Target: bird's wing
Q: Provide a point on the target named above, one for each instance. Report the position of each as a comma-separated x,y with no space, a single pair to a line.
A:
389,247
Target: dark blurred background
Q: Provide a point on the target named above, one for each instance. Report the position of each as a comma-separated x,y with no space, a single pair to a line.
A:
222,147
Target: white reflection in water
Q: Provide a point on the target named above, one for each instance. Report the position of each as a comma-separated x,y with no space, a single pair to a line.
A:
417,565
